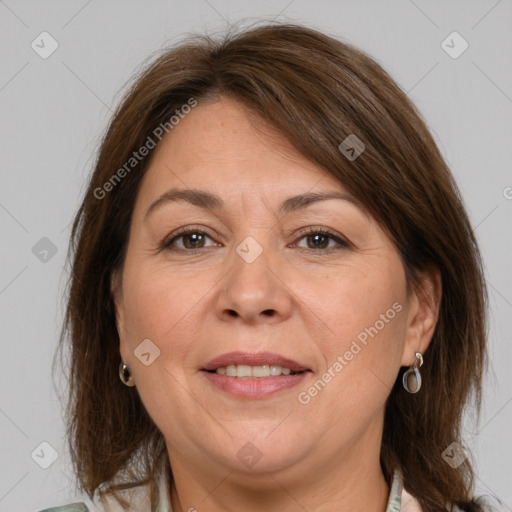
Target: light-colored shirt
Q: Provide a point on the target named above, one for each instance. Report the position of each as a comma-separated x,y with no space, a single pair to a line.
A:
399,499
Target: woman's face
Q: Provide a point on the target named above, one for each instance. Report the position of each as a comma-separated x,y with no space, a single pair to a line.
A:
254,275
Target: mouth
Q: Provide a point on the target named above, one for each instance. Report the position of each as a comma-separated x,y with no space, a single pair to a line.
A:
258,375
245,371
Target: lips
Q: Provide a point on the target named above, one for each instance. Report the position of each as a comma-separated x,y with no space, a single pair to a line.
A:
254,387
258,359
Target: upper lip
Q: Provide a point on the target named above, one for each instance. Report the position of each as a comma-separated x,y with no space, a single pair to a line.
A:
257,359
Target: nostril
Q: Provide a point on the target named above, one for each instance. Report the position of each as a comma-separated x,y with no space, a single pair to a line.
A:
268,312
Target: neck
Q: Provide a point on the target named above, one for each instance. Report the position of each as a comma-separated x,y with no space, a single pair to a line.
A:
338,482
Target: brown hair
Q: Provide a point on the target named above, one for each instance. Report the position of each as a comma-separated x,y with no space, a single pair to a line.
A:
315,90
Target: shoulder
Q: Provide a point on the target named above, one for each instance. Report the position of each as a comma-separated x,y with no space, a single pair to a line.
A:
138,498
410,504
71,507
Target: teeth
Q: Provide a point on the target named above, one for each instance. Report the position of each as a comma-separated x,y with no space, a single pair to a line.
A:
275,370
260,371
244,371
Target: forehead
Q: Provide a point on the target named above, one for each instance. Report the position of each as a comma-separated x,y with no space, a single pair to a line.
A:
225,146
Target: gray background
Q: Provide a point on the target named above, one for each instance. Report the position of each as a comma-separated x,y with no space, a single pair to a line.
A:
54,112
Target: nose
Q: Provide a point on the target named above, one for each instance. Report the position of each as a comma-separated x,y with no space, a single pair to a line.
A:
255,292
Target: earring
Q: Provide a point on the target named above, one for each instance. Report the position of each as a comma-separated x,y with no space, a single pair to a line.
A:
126,375
412,377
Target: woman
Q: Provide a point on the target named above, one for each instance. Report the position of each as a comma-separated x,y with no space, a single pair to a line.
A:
274,259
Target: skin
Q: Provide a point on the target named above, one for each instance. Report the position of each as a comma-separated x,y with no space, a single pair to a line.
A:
196,305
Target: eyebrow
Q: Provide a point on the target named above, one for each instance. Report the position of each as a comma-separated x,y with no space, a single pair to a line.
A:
209,201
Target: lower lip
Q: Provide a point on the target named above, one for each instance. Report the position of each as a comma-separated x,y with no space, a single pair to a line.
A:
255,388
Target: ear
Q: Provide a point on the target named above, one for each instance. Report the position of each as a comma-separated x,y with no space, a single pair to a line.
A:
422,314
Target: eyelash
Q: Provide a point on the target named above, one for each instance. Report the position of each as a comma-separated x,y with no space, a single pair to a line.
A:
342,244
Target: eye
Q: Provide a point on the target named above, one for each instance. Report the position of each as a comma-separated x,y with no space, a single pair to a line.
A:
319,239
191,239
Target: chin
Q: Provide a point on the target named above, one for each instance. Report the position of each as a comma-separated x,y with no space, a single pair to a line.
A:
262,453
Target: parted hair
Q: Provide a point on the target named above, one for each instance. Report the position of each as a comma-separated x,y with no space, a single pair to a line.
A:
316,90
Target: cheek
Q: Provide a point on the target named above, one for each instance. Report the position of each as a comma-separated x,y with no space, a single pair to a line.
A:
163,308
158,303
167,307
365,312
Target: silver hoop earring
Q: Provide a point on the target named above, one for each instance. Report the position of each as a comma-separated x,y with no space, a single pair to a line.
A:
126,375
412,377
